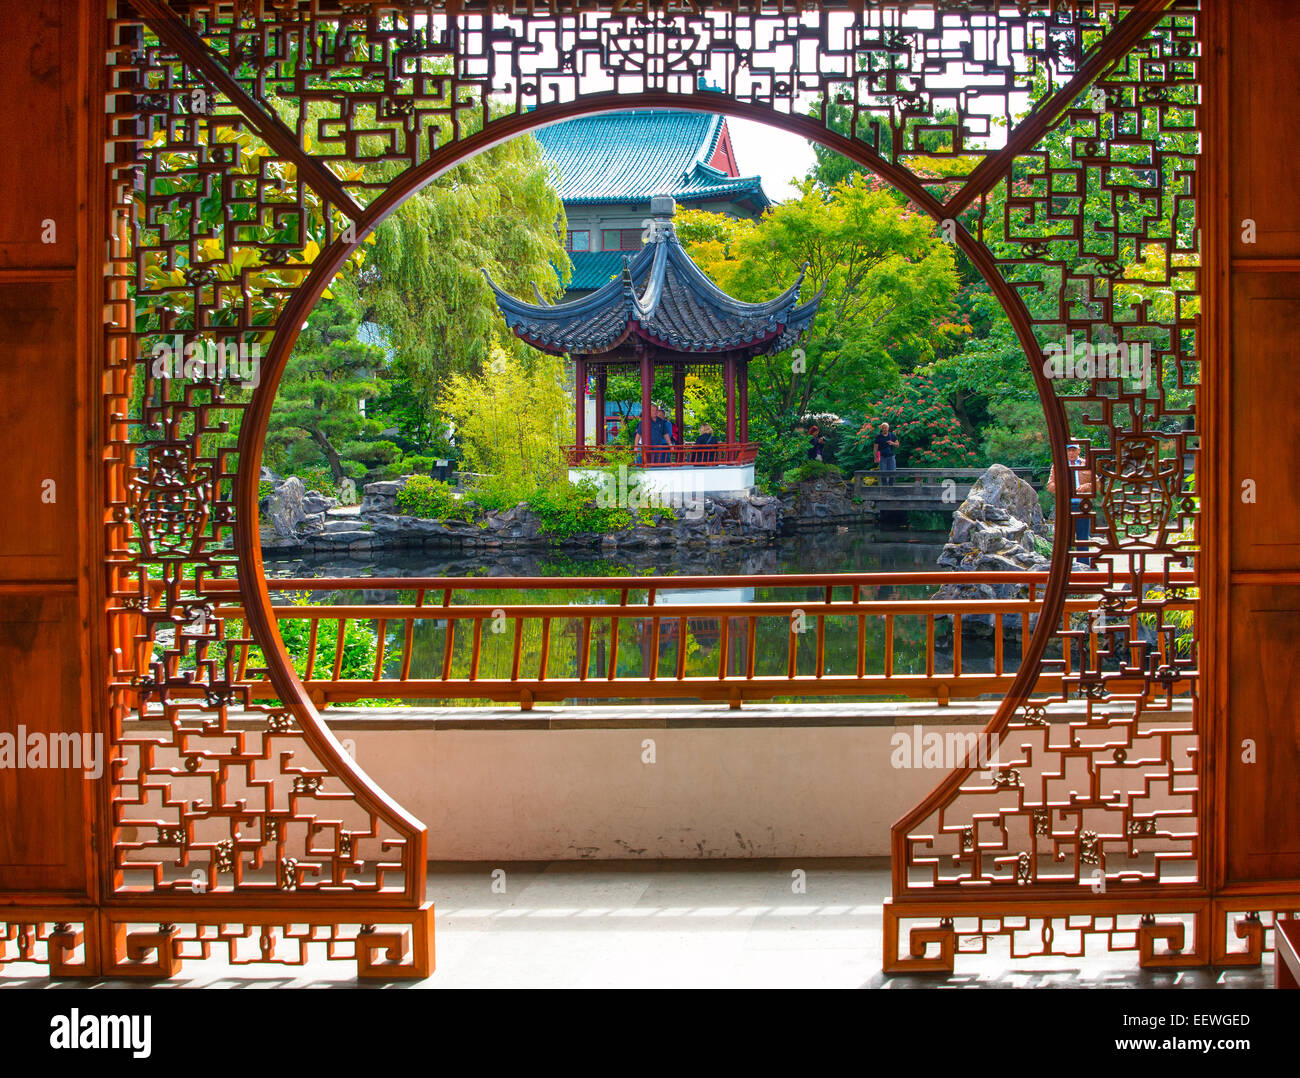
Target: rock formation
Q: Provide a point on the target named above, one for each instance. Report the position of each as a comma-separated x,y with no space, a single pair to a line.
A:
998,528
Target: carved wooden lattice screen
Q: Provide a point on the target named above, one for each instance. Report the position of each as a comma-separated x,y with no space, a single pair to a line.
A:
253,146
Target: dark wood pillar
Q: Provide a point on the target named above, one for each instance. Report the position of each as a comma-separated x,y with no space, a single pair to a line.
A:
679,395
580,398
1251,601
52,297
601,373
647,387
742,377
729,380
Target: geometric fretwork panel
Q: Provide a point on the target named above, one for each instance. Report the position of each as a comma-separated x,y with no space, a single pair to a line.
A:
1095,228
251,148
1091,802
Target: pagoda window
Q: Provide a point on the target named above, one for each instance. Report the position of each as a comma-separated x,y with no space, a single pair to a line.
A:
577,241
620,239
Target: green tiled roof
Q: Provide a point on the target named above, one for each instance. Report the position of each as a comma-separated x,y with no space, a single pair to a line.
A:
591,269
630,156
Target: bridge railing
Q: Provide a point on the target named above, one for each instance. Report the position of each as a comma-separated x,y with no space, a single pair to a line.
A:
680,638
947,473
936,476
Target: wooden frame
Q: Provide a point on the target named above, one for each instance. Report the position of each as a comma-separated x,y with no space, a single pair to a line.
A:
110,928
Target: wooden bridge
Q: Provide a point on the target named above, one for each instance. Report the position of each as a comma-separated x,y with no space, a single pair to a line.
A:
925,490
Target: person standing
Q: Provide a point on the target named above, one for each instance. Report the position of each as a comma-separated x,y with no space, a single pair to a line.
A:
816,443
886,443
1080,483
661,436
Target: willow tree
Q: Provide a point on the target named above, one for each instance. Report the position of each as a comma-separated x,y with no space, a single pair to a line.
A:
423,282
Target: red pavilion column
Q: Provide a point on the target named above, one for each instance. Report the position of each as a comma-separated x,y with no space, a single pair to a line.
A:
600,404
729,380
647,387
742,376
580,397
679,395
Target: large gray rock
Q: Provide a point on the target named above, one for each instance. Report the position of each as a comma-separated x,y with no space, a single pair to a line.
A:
381,497
817,502
760,513
994,530
286,510
313,501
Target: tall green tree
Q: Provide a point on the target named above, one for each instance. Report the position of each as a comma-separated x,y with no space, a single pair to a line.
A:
889,283
513,420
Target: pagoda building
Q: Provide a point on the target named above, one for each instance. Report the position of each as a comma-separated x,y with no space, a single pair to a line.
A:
662,311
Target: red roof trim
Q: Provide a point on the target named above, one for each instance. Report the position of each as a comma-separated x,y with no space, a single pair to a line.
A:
724,157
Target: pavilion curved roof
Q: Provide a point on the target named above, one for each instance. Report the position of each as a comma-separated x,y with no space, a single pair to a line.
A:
665,299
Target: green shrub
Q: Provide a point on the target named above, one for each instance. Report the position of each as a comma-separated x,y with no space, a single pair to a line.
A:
424,496
418,465
652,517
813,469
360,647
319,478
779,451
496,494
563,508
567,509
372,454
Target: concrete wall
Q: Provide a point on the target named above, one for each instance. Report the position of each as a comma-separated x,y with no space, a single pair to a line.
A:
771,780
557,794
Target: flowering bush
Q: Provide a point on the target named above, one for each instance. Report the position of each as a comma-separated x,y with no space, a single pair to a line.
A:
921,418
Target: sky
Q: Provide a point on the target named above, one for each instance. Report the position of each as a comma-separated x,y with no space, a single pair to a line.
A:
771,153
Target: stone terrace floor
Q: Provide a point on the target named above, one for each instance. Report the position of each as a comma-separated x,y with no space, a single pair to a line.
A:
724,924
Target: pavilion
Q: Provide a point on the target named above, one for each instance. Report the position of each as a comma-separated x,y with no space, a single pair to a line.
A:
664,312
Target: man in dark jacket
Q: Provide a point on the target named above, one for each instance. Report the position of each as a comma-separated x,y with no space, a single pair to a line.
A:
887,443
661,436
